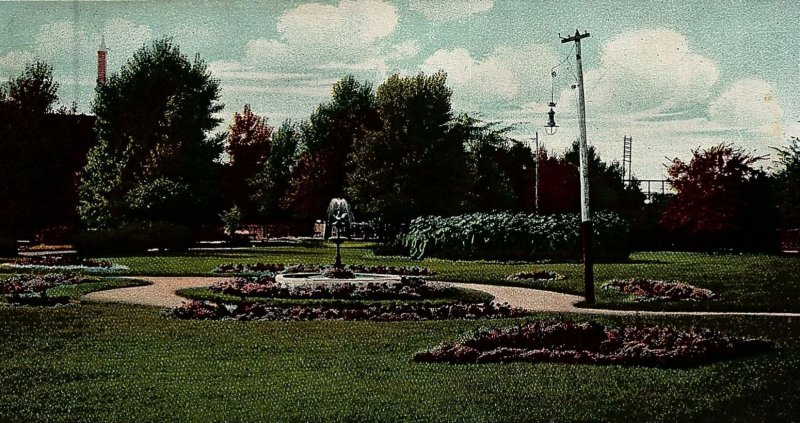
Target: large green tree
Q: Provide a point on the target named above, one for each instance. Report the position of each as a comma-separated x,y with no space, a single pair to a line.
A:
414,164
326,143
155,159
273,180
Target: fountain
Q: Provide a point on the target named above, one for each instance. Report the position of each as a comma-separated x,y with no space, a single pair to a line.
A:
339,218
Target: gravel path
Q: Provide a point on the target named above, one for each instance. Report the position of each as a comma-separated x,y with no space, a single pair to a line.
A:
161,293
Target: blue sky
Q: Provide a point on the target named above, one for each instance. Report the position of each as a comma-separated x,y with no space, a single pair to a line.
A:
675,75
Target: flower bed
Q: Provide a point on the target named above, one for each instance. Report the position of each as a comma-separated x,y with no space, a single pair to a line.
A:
375,312
593,343
655,290
32,289
408,288
61,261
313,268
535,276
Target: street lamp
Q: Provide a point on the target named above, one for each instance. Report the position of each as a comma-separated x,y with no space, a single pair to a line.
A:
550,128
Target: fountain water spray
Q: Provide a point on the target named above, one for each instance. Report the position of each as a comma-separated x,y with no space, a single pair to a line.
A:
340,216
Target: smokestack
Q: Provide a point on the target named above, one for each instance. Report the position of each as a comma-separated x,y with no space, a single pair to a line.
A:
101,62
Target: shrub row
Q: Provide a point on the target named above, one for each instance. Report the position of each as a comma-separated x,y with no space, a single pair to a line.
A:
659,290
593,343
515,236
265,286
61,260
380,312
133,239
313,268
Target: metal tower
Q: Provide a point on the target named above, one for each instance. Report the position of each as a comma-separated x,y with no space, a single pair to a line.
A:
627,147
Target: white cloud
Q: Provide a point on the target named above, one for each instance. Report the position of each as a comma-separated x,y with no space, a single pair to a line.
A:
123,38
314,34
15,61
439,11
645,73
752,104
519,73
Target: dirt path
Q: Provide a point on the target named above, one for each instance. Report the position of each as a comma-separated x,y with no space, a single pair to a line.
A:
161,293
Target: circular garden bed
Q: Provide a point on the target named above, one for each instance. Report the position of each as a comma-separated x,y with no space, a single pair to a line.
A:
594,343
244,268
410,298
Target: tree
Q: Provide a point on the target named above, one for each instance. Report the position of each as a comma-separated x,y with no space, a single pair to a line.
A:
788,184
248,147
414,164
155,159
40,151
273,181
327,140
607,188
714,205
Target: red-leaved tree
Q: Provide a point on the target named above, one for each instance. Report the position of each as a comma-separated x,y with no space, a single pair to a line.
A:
712,195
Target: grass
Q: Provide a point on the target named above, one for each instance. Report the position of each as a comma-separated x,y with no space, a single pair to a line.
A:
112,362
747,282
453,295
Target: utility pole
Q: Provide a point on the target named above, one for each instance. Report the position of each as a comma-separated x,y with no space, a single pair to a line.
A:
536,183
586,218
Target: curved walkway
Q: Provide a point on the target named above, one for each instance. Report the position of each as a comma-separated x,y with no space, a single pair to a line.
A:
161,293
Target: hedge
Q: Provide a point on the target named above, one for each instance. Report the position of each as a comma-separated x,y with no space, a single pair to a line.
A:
515,236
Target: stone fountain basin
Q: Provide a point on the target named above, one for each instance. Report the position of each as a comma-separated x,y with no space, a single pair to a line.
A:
295,278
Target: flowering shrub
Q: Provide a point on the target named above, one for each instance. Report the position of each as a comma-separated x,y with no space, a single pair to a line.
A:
378,312
61,260
313,268
536,275
659,290
515,236
407,288
593,343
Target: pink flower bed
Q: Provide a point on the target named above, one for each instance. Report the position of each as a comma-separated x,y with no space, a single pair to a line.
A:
313,268
378,312
659,290
593,343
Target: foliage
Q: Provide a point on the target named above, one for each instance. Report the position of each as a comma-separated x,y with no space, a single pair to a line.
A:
134,239
34,289
248,145
607,188
231,220
41,148
788,181
413,164
327,141
306,268
381,312
593,343
61,260
659,290
273,180
716,203
265,286
508,236
155,159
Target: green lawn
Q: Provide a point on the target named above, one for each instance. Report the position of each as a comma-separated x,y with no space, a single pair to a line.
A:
110,362
749,282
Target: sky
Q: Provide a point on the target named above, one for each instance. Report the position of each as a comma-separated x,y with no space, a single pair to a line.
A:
674,75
